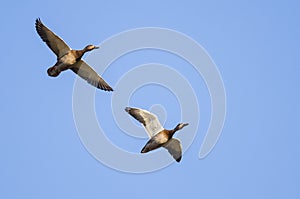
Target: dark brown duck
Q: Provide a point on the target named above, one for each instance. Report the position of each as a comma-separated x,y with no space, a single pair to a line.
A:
68,58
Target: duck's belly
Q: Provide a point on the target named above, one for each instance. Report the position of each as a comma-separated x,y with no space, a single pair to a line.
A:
66,61
160,138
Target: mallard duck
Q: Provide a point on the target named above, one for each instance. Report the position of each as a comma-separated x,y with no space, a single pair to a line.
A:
68,58
159,137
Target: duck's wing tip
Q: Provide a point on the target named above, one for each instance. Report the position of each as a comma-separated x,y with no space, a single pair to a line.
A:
127,109
54,42
149,120
104,86
136,114
38,20
178,159
87,73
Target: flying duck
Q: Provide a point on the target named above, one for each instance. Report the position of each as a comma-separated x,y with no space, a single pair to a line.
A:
68,58
159,137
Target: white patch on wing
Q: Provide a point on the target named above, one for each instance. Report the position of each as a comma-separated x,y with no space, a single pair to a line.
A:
149,120
153,125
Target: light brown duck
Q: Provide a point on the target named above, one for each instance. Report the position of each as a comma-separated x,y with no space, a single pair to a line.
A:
68,58
159,137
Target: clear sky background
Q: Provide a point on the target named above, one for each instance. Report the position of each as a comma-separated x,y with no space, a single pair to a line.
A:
255,45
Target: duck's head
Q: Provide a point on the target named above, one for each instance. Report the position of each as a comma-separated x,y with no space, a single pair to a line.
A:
180,126
90,47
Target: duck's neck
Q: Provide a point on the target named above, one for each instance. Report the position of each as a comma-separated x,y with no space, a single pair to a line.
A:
176,128
79,54
173,131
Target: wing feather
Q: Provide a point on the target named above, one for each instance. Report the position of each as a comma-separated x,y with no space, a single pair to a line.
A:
149,120
54,42
87,73
174,148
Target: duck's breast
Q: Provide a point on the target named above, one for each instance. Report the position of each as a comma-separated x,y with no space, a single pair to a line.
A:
155,142
68,58
66,61
161,138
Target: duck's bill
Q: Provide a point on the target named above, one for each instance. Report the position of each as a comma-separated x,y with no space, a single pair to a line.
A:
185,124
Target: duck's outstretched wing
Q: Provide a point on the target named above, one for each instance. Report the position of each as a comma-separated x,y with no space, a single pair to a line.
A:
174,148
149,120
54,42
86,72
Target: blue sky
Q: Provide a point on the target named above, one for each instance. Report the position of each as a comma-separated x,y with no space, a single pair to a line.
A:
256,48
